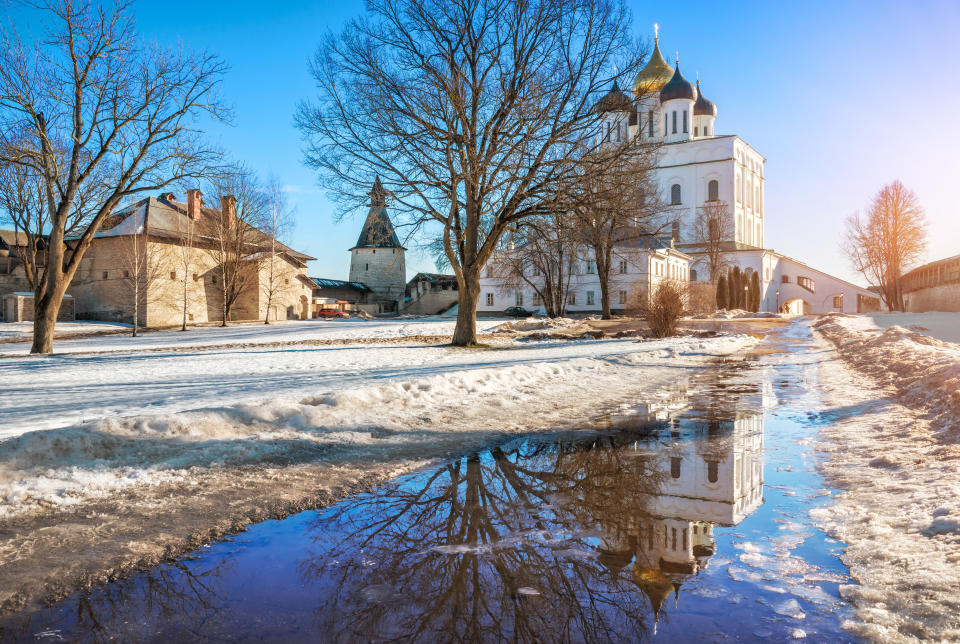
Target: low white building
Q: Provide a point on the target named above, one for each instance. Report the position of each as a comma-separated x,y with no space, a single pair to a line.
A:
636,272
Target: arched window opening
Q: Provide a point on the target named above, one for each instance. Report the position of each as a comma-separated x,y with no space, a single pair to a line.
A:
675,467
712,471
675,195
650,124
713,190
674,121
685,121
693,275
696,131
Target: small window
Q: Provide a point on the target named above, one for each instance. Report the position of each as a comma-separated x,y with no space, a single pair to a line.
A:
572,300
126,273
213,279
674,121
650,124
105,274
696,131
675,195
685,121
537,300
489,299
591,298
366,267
693,275
173,275
519,298
286,281
675,467
713,190
675,233
623,266
838,301
712,471
785,279
190,316
623,297
591,267
196,277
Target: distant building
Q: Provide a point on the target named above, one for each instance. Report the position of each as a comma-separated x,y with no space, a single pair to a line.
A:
377,260
430,294
933,287
16,295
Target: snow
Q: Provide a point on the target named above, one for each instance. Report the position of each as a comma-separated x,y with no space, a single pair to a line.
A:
12,331
944,326
80,425
252,333
892,439
735,314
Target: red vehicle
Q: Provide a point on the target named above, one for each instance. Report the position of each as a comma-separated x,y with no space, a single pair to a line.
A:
331,313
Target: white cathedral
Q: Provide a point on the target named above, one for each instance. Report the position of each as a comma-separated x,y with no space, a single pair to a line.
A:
697,168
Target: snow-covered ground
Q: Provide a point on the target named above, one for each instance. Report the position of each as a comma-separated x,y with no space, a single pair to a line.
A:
24,330
291,331
149,452
944,326
892,435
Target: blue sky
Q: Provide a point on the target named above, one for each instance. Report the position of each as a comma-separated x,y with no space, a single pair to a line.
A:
840,97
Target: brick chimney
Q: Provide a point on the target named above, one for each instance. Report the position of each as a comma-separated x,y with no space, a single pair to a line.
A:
194,203
228,210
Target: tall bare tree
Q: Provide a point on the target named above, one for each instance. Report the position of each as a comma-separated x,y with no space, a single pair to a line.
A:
276,225
22,204
469,111
237,246
99,115
543,254
712,228
186,238
616,204
142,265
885,242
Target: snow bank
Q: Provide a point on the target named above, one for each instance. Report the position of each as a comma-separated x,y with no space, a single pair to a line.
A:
538,324
923,371
11,331
943,326
889,433
61,467
735,314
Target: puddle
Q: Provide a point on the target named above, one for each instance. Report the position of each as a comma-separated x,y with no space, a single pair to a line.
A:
683,518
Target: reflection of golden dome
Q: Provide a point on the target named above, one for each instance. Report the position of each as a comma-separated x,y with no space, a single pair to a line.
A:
655,75
655,585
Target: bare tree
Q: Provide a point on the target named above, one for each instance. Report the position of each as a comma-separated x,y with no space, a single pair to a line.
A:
543,255
614,204
186,234
98,115
884,243
712,227
469,111
277,225
236,243
22,204
142,268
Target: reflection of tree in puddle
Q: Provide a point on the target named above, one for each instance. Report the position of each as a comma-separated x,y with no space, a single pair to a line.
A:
539,539
169,599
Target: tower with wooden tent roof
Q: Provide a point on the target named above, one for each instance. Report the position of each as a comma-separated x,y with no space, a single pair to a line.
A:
377,259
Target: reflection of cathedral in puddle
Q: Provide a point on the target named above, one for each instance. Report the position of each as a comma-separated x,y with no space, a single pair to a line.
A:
712,474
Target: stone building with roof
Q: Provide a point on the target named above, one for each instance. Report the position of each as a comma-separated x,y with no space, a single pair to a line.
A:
378,258
933,287
174,241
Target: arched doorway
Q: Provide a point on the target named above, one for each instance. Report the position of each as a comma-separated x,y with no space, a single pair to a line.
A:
304,308
796,306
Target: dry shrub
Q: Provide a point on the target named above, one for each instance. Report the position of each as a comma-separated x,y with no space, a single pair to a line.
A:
665,308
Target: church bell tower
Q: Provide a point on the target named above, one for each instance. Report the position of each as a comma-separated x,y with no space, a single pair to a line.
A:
378,259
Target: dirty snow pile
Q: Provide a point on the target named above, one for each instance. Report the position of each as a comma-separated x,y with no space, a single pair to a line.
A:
539,324
396,418
923,371
735,314
890,430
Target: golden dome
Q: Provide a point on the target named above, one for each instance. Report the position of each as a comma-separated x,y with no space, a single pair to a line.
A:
655,75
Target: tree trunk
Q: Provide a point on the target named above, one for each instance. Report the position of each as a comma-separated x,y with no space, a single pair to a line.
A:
603,273
465,333
46,306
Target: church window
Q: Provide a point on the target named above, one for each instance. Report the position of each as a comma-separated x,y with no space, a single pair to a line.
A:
675,195
489,299
195,277
173,275
712,471
693,275
675,467
650,123
685,120
608,133
838,301
537,300
519,298
674,121
623,266
785,279
126,273
591,298
696,131
623,297
572,299
713,190
618,132
684,538
591,267
673,540
366,267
